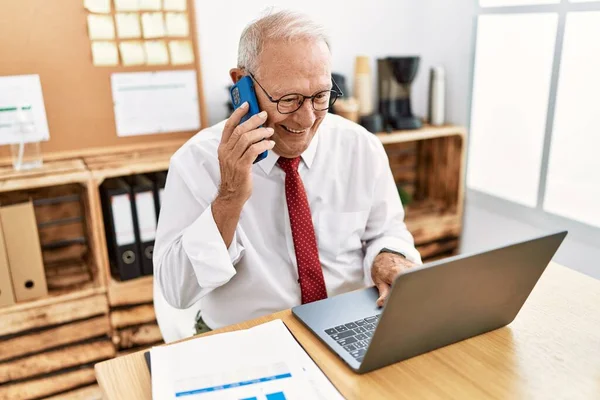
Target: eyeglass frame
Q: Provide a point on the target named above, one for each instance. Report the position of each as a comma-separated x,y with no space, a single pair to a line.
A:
336,89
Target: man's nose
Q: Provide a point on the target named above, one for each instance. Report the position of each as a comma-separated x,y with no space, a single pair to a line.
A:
305,114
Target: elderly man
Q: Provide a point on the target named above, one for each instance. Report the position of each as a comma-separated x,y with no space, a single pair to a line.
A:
319,216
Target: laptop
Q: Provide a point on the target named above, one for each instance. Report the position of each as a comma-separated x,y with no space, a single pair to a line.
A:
430,306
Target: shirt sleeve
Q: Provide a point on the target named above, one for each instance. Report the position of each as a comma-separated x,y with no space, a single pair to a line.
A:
190,256
385,225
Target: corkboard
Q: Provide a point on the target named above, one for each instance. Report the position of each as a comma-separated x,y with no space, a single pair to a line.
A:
50,38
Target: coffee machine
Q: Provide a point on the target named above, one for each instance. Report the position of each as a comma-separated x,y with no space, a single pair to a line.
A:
395,76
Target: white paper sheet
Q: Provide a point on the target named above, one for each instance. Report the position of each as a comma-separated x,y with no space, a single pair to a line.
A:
22,111
104,54
97,6
177,24
127,5
153,25
181,52
100,27
156,52
264,362
152,5
175,5
128,25
132,53
155,102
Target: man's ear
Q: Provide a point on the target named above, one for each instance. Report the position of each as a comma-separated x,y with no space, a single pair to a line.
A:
236,74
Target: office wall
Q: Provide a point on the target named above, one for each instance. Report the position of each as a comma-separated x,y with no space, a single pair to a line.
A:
446,31
375,28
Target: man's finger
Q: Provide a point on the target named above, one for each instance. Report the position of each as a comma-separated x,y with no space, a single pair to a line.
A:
247,126
384,291
233,121
248,139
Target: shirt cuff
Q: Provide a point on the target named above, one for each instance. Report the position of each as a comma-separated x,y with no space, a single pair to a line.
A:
392,243
204,246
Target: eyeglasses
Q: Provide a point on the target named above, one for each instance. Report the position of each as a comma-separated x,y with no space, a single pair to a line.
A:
290,103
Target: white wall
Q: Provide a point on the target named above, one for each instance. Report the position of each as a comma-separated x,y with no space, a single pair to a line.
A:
446,31
376,28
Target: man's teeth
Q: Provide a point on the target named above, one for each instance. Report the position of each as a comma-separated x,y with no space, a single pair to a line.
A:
292,130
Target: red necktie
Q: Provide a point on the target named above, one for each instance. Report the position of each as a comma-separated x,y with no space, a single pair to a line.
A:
312,284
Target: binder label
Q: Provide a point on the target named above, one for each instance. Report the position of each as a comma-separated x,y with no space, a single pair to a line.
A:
123,219
146,215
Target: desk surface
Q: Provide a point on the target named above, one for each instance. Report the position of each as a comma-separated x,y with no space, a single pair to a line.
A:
550,351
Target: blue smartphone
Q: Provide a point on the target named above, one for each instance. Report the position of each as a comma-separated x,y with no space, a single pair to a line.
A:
243,91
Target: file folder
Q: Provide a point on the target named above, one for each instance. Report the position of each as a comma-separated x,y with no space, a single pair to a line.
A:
24,252
144,217
119,229
159,179
7,295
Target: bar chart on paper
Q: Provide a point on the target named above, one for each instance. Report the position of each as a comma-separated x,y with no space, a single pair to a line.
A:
271,382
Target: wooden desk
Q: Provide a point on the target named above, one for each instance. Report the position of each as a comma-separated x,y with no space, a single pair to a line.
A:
550,351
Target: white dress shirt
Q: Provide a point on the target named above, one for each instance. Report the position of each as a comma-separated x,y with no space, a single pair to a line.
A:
354,204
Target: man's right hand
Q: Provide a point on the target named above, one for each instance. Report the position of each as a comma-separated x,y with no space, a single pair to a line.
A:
239,147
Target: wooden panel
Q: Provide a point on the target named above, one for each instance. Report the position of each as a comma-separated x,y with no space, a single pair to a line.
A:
52,314
134,291
44,387
63,210
54,337
427,229
431,250
56,360
132,316
58,232
47,176
425,133
92,392
68,274
77,95
72,252
137,336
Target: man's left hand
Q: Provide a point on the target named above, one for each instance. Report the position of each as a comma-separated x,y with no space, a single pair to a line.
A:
386,267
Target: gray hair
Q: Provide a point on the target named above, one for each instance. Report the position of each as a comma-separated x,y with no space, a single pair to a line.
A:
281,25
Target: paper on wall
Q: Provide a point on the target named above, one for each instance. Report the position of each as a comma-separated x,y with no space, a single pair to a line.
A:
156,52
153,25
22,111
153,5
127,5
177,24
97,6
128,25
104,54
132,53
155,102
100,27
182,52
175,5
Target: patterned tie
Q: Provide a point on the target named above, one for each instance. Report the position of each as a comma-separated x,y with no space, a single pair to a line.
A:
312,284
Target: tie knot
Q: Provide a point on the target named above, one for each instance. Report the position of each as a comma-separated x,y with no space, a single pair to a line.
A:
289,164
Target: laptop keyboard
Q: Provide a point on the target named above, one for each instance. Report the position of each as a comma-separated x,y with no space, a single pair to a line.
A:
355,336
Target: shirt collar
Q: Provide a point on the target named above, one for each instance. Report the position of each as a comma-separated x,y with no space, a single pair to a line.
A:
308,156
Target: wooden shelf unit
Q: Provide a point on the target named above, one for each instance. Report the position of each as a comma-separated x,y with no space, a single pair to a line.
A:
429,165
103,317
